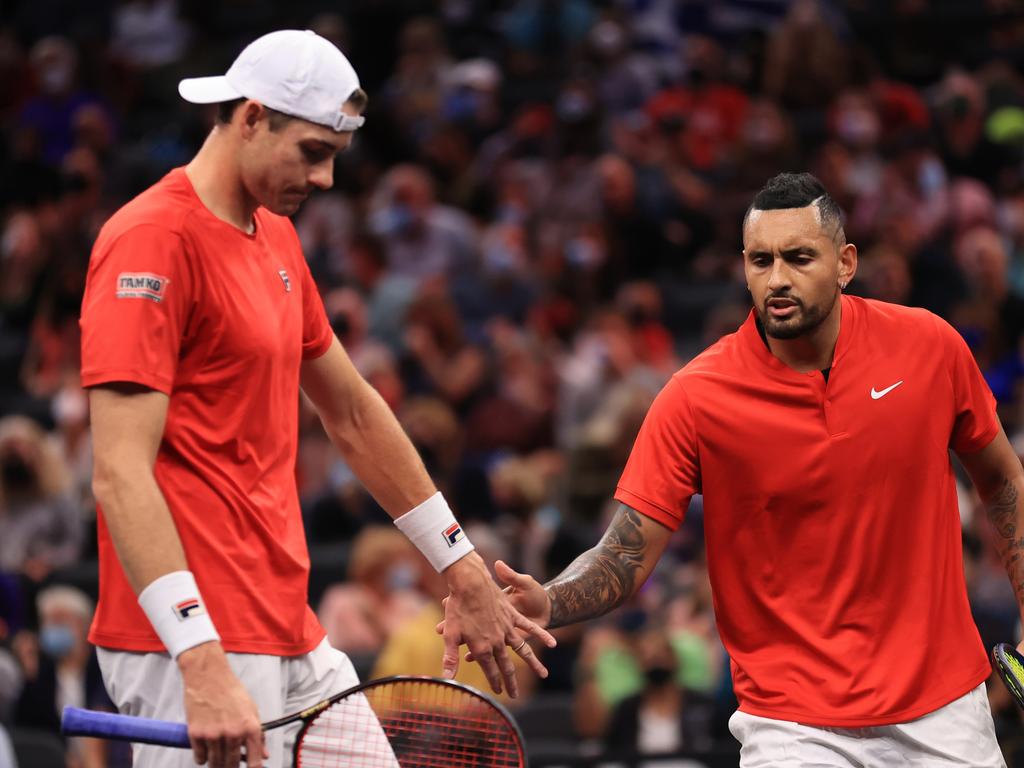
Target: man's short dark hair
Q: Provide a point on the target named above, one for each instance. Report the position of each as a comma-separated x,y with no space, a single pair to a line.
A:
226,110
798,190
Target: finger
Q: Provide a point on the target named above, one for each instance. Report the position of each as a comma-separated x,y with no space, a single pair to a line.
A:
255,749
450,659
233,753
216,749
535,629
486,661
533,661
507,575
508,671
199,750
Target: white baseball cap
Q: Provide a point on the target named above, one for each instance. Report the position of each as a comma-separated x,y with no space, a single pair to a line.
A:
295,72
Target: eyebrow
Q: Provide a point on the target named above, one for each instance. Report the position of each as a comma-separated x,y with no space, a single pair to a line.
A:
324,146
799,250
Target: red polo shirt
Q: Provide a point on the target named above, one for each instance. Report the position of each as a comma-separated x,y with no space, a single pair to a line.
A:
831,522
182,302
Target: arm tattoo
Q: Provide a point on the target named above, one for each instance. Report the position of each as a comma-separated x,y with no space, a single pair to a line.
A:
602,577
1002,511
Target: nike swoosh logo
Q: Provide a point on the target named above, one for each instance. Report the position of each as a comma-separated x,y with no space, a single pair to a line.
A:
875,394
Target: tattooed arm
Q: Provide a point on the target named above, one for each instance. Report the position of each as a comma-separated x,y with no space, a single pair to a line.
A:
999,477
604,576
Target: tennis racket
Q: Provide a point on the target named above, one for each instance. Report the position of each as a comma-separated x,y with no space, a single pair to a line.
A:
394,722
1010,666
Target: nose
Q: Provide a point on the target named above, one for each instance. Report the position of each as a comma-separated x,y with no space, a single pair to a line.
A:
779,276
322,175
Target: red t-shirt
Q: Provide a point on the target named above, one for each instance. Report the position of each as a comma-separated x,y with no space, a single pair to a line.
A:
831,522
182,302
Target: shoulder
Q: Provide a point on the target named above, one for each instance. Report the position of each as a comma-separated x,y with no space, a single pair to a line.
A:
160,212
722,358
881,315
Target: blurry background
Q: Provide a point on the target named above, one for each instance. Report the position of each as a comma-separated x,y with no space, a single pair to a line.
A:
538,225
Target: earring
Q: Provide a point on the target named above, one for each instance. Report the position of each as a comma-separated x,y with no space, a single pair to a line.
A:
842,285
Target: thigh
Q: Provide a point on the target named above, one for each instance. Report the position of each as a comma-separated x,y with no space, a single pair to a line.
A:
768,743
147,685
352,733
150,685
959,734
263,678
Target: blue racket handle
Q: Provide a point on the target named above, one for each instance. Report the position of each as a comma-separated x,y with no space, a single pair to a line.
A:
107,725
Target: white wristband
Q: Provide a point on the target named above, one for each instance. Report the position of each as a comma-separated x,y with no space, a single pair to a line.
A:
177,612
432,527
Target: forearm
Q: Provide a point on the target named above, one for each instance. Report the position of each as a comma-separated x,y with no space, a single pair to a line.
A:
1005,508
604,577
377,449
140,524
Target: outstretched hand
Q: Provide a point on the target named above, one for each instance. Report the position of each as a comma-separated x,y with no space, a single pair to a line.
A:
480,615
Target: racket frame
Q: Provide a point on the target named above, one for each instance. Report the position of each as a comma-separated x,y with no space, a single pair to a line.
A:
308,716
83,722
1000,655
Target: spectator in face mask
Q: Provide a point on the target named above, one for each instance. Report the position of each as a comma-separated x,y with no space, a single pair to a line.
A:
61,670
663,716
40,525
380,594
50,115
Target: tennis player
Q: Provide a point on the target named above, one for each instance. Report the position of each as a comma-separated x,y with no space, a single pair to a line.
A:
200,324
819,435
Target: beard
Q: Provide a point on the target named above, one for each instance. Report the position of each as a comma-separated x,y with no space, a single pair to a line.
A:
803,321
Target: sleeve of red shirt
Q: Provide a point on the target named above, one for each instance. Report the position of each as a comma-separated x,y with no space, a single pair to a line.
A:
317,333
663,469
131,331
976,423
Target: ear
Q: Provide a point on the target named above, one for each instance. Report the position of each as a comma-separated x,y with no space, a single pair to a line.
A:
248,117
847,264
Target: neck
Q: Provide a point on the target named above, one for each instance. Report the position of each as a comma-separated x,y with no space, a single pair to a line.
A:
662,699
74,661
814,351
217,179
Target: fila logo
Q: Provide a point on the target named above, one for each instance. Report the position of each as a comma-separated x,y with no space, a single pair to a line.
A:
284,278
141,285
453,534
186,609
878,394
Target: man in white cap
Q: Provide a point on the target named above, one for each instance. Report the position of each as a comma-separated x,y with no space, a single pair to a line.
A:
200,323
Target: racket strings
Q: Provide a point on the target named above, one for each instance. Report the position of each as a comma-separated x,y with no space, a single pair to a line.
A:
410,724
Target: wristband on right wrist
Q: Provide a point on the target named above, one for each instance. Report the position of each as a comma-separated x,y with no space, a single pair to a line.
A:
174,607
432,527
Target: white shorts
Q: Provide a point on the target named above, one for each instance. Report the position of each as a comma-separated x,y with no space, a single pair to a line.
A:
959,734
150,685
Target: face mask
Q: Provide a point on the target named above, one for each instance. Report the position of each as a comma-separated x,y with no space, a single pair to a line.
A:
70,406
582,253
931,177
392,220
857,127
57,640
17,474
402,576
499,259
55,79
659,676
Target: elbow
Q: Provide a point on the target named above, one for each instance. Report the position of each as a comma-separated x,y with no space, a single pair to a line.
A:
112,479
104,487
348,426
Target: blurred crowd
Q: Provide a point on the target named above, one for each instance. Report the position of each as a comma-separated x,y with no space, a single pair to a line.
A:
538,225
